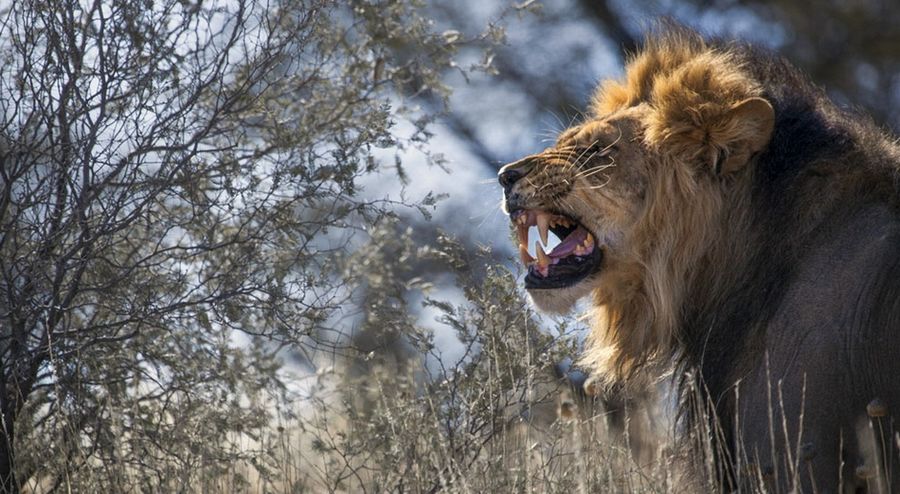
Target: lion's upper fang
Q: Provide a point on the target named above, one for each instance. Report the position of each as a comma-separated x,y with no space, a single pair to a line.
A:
574,240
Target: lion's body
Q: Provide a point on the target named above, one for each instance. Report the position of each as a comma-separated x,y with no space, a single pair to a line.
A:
805,295
831,338
752,241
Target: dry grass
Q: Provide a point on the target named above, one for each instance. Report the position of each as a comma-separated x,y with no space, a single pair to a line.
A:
389,433
497,419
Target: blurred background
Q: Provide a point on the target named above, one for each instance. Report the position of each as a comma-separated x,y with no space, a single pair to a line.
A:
256,245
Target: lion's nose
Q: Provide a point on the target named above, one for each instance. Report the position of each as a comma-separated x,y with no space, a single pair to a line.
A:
509,177
513,172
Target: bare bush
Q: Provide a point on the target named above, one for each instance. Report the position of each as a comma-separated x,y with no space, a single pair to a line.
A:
176,180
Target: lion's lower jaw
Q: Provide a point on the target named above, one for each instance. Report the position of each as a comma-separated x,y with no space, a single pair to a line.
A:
559,300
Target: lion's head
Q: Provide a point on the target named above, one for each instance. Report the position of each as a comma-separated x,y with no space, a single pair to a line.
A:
635,194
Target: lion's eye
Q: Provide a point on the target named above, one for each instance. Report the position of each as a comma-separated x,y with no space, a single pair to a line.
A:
600,150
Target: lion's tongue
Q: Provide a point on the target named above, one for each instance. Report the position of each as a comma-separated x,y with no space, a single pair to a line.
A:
572,242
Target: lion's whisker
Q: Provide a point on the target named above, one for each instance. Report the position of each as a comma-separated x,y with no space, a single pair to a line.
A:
571,163
592,187
560,121
606,148
592,171
609,164
588,160
488,215
586,149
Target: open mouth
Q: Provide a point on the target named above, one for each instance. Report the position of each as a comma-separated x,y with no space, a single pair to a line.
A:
576,256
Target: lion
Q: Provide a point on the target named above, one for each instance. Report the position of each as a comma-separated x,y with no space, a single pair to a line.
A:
733,225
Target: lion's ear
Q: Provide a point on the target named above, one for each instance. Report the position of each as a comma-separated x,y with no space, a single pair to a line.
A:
750,124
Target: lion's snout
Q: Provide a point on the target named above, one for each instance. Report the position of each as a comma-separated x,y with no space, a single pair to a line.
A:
513,172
